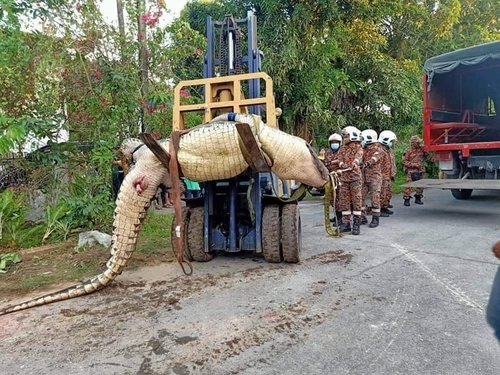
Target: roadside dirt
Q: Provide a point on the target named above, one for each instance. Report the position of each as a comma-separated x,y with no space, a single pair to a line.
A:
170,334
59,265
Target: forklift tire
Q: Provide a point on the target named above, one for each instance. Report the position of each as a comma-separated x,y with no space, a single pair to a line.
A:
291,233
185,220
461,193
195,237
271,234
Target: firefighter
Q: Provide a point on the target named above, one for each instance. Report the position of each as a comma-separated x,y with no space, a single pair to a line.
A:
351,157
387,139
332,164
372,173
413,161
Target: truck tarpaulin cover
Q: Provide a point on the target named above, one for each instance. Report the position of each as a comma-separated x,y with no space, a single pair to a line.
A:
468,56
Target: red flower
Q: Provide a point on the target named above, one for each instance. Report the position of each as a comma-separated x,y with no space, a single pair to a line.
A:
184,93
64,72
98,74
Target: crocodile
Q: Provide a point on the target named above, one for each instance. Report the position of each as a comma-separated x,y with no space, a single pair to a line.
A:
290,158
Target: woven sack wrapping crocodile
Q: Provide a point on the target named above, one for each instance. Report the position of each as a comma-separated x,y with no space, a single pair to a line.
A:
212,152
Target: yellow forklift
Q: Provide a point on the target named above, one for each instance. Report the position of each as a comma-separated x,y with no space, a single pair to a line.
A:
252,211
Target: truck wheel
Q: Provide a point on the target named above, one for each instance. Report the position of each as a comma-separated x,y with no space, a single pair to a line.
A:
185,219
461,193
195,237
291,234
271,234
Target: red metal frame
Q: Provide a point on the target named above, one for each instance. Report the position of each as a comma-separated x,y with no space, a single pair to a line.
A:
427,127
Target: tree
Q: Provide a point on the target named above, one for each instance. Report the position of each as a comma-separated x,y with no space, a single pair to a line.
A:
354,62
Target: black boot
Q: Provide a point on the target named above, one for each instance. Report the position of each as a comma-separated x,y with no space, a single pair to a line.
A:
383,213
387,211
418,199
338,216
374,222
364,220
356,222
390,206
345,227
407,202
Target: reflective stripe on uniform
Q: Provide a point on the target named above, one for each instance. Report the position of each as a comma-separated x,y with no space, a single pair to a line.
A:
375,209
346,212
356,212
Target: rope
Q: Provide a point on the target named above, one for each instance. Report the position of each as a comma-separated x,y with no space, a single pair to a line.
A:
331,198
251,209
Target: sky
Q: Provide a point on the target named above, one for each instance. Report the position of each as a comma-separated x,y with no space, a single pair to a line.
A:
108,9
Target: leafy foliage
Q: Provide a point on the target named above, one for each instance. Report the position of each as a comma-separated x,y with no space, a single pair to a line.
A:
7,260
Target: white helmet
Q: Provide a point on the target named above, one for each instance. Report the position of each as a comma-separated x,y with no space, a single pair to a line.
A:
335,138
369,136
354,133
387,137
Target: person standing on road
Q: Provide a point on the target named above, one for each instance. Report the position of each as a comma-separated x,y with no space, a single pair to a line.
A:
350,157
386,139
394,172
493,309
413,161
332,164
372,183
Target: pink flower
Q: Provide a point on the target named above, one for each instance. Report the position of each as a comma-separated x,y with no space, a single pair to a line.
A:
184,93
98,74
140,36
151,19
64,72
79,7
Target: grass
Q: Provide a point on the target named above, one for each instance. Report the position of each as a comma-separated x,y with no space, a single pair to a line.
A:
64,264
155,234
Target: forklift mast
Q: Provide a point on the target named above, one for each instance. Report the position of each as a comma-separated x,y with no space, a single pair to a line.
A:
230,59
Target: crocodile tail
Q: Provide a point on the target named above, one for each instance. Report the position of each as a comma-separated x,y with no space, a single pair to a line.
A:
87,287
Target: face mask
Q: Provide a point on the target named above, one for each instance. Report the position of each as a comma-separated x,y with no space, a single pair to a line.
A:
334,146
390,144
363,143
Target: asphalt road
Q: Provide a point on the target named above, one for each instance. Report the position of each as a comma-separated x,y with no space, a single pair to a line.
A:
408,297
